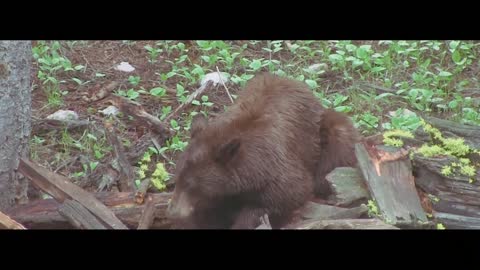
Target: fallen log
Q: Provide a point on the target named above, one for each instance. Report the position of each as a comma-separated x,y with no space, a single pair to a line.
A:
451,129
454,198
343,224
43,214
455,201
60,188
388,173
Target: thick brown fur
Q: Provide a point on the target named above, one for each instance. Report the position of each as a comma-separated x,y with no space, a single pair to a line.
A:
266,154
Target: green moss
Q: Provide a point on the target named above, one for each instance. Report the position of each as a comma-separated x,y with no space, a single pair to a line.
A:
468,170
160,176
393,142
456,147
431,150
389,140
446,170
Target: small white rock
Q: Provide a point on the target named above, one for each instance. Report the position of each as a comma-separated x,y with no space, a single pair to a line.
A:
63,115
125,67
317,67
110,110
405,112
215,78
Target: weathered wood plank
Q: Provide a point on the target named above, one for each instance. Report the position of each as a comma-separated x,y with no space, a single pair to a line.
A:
389,178
348,187
79,216
61,188
322,211
345,224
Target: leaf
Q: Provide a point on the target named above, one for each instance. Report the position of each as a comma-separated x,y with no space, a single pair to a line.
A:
93,165
78,67
132,94
343,109
383,95
454,44
196,102
350,47
77,80
91,136
158,91
453,104
311,83
255,64
335,58
361,53
456,57
180,89
204,98
444,74
206,58
99,74
413,93
378,69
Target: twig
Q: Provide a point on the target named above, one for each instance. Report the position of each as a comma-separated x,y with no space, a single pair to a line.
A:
221,80
376,87
189,100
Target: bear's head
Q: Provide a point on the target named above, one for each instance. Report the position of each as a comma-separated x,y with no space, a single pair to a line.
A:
204,178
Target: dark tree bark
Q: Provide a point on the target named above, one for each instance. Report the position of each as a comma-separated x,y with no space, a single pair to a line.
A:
15,112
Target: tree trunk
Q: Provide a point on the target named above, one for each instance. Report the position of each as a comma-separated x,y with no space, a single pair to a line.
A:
15,112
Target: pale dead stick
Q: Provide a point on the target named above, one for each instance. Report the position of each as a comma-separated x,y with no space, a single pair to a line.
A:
221,80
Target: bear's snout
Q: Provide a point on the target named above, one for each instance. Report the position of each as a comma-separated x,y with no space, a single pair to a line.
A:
179,207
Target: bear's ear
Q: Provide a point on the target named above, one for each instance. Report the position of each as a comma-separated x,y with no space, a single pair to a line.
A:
199,122
228,151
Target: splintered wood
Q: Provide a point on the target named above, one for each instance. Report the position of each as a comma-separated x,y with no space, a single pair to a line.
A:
7,223
389,178
61,189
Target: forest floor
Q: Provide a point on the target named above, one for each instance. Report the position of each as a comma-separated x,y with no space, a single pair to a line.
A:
382,85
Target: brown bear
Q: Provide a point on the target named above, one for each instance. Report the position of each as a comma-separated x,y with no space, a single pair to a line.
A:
267,154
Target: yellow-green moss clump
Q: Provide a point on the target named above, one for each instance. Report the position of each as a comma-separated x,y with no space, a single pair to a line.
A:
159,176
388,137
455,147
